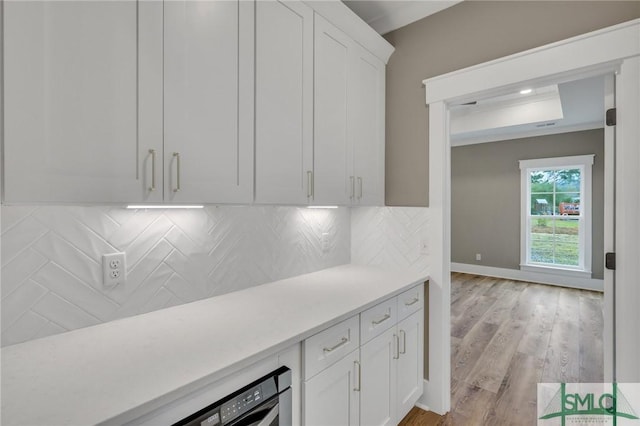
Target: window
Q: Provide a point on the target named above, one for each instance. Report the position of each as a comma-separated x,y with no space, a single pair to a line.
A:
556,215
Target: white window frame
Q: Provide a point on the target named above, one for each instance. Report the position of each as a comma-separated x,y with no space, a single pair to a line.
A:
585,164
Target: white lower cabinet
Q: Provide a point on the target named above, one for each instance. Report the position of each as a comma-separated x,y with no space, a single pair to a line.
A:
392,372
410,365
332,397
375,384
378,394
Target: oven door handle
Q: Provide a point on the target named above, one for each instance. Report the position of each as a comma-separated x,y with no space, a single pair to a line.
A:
270,417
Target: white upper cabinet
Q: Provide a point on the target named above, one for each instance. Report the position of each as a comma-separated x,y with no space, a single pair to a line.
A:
127,102
331,153
348,120
76,75
208,101
184,101
284,102
367,124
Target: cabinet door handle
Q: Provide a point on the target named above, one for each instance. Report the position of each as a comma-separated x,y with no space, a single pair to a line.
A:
381,320
359,186
176,155
404,343
412,301
396,343
153,170
309,184
342,341
353,187
357,389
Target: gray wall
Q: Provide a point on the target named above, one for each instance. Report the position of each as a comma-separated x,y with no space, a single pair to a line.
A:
485,196
466,34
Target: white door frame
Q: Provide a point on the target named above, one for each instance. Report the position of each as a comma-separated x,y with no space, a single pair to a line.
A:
613,49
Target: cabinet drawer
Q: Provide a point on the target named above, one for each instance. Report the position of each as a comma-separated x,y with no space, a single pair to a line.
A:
376,320
330,345
410,301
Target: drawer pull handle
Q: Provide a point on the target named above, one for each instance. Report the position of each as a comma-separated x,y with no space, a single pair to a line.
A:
353,187
343,341
176,155
412,301
153,170
357,389
404,342
310,183
381,320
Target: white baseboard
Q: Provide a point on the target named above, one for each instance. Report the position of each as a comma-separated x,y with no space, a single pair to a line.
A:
536,277
422,406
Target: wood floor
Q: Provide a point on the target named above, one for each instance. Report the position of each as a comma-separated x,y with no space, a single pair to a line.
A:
506,336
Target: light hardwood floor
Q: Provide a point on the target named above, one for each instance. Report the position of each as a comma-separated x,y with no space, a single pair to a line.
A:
507,336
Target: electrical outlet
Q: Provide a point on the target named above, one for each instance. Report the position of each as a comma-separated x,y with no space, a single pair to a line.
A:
424,247
114,269
478,256
325,242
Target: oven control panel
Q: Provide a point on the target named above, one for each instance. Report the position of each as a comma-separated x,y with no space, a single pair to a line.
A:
241,404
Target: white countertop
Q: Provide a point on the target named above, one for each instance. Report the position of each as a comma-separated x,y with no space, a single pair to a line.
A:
123,369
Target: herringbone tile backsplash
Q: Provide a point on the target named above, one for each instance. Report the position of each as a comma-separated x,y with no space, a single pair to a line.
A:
51,279
390,236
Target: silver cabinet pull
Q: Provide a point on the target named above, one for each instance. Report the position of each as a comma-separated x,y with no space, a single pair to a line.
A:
153,170
357,389
176,155
353,187
359,186
381,320
309,184
404,342
412,301
343,341
396,343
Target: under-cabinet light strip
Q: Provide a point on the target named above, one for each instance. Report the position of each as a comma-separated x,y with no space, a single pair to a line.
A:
160,206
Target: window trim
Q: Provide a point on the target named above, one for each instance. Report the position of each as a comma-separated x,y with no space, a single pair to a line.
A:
583,162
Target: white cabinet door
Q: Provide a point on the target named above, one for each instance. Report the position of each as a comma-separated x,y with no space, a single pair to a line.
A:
410,362
284,102
331,153
331,398
208,101
75,75
378,394
366,112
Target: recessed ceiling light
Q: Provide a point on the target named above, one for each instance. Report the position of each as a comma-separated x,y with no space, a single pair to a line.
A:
526,91
322,207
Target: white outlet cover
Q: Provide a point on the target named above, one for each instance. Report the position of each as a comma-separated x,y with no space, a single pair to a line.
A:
114,269
325,241
424,247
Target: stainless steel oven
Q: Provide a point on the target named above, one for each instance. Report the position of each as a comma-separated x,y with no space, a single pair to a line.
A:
264,402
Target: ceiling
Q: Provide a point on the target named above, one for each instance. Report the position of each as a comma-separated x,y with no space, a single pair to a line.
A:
582,108
387,15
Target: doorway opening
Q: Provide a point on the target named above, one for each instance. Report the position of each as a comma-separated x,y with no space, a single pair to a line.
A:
606,51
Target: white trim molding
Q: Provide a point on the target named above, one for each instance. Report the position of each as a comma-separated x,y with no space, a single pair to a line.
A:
538,277
592,53
610,50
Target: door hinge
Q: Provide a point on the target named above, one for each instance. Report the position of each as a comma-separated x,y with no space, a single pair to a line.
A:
610,261
611,117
